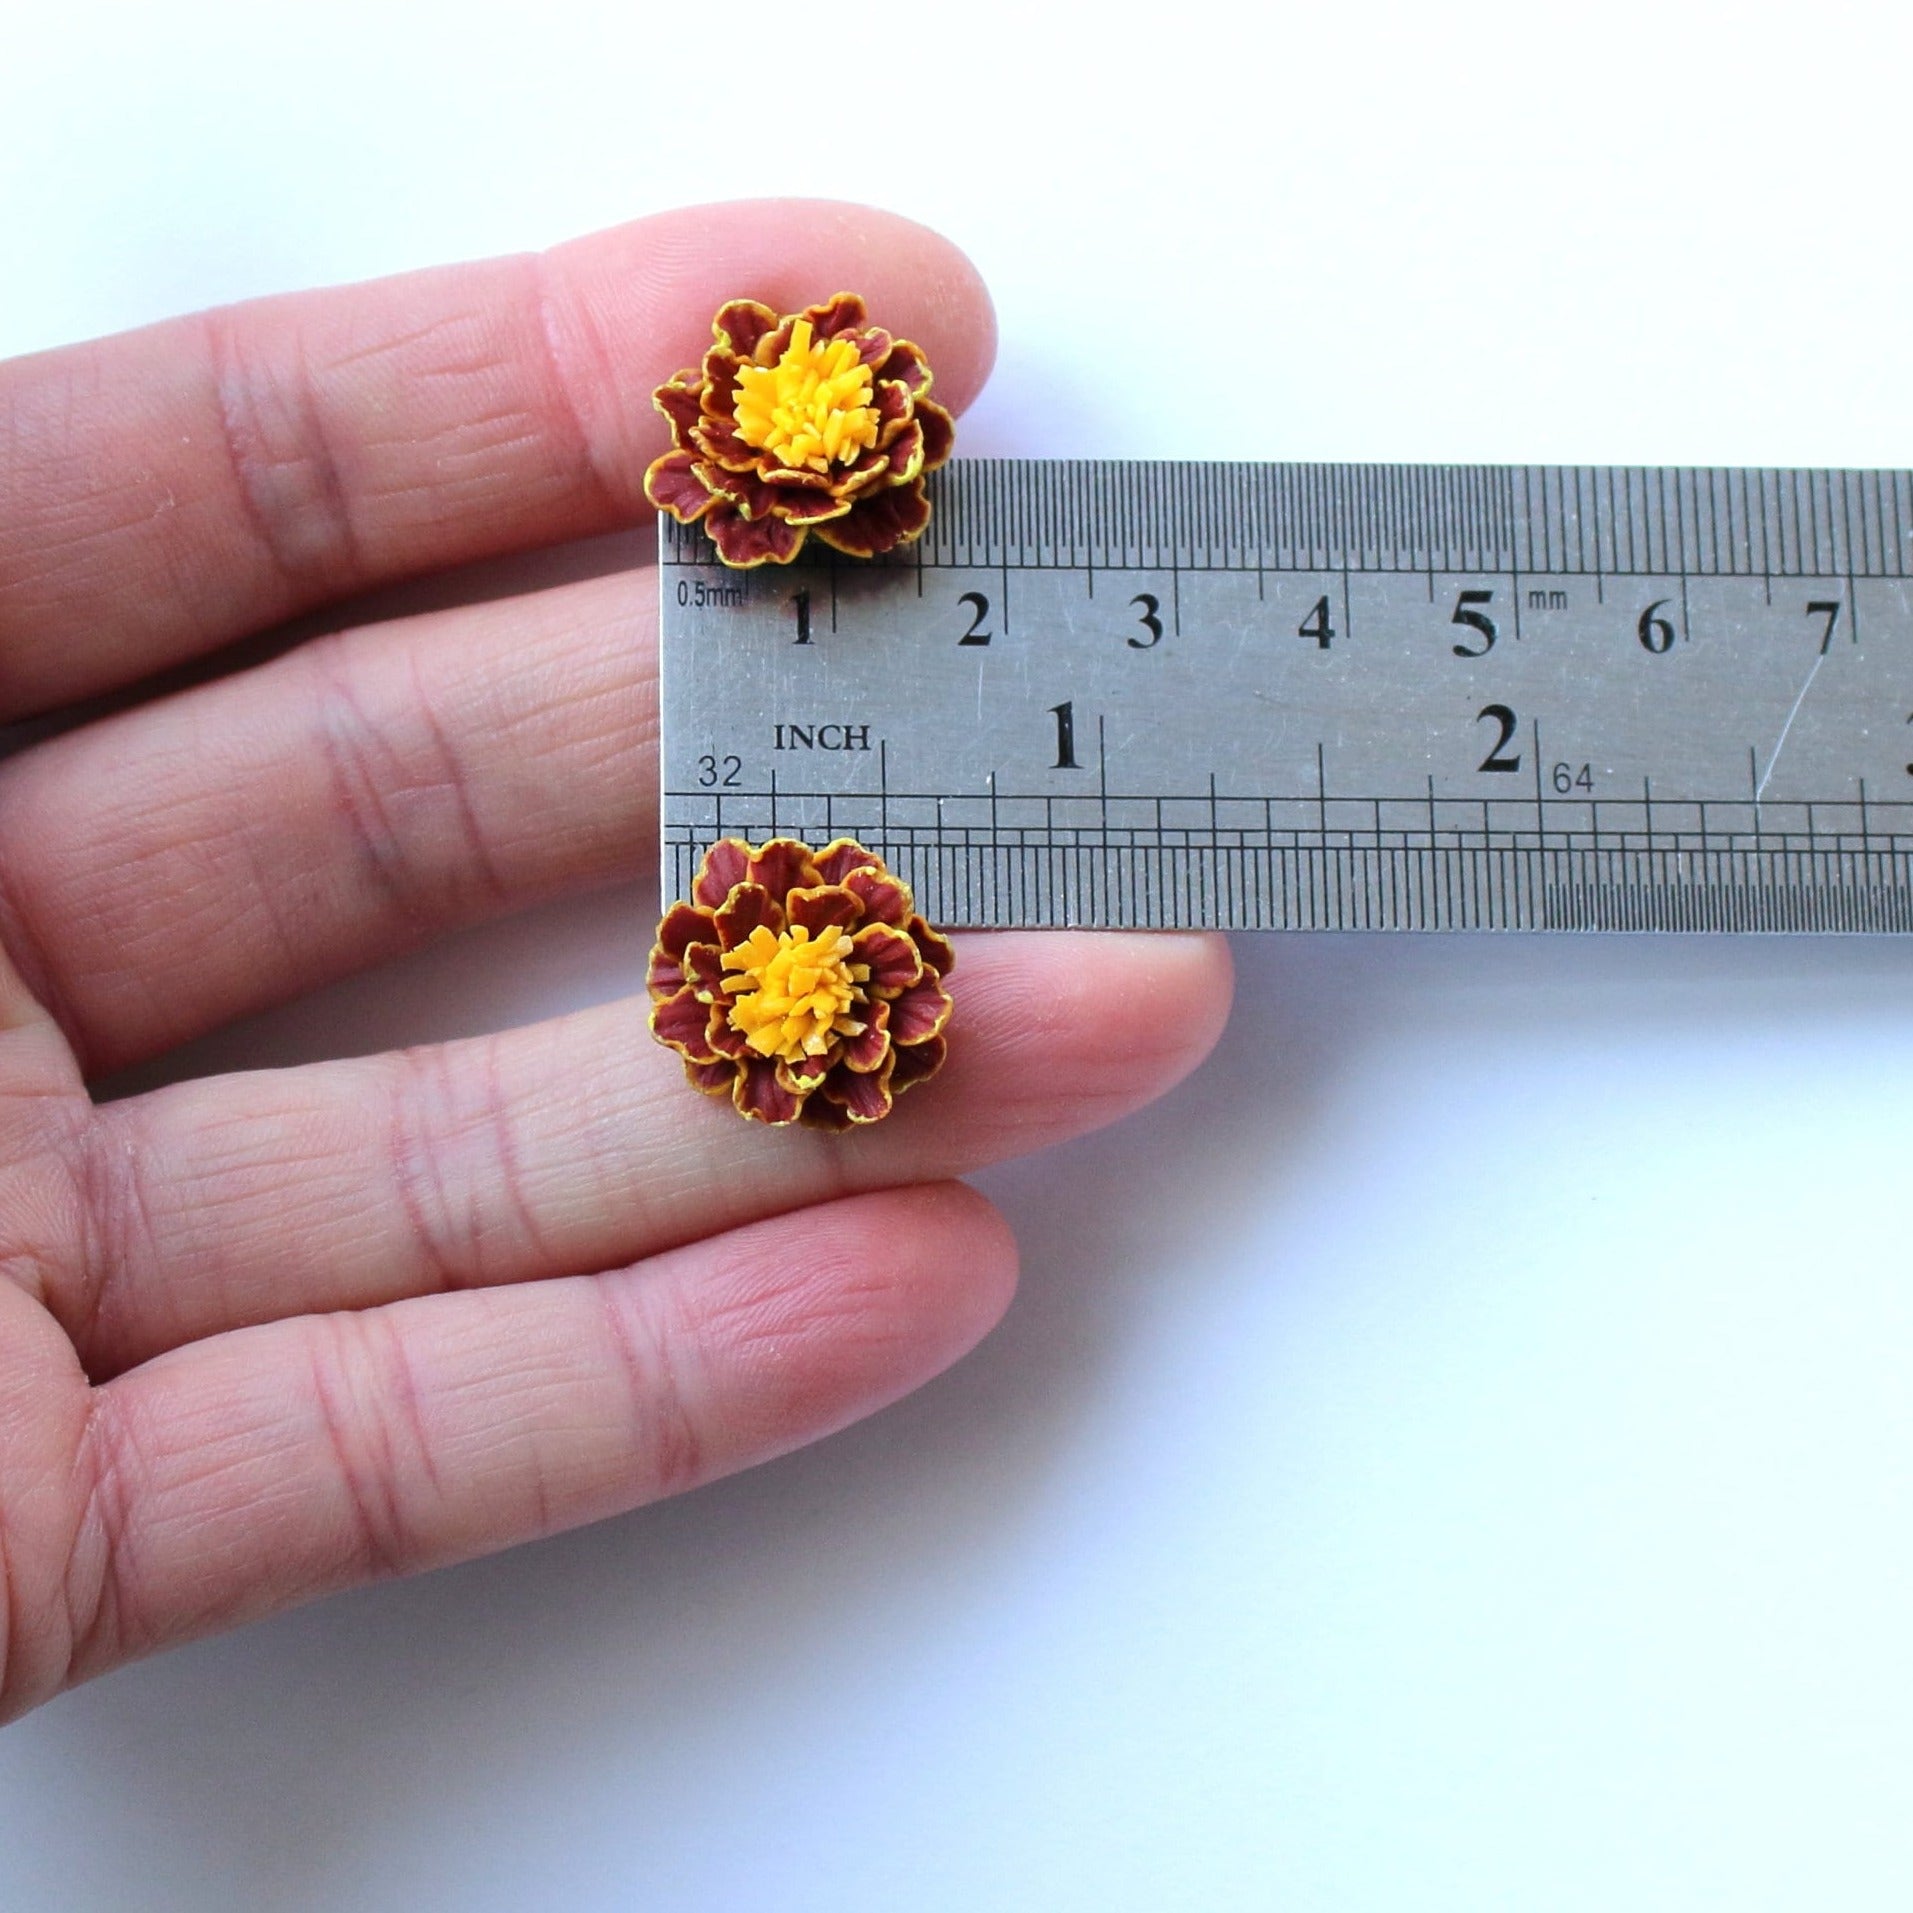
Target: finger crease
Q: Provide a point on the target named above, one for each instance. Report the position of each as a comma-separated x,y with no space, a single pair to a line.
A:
354,749
374,790
457,783
285,469
369,1482
441,1099
418,1176
664,1431
119,1238
584,441
104,1618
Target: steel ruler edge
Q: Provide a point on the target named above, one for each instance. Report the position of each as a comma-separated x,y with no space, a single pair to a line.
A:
1265,696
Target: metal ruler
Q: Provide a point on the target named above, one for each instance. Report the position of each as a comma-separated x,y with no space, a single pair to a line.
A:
1326,697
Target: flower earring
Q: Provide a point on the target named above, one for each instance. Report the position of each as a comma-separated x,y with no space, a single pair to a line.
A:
801,983
817,421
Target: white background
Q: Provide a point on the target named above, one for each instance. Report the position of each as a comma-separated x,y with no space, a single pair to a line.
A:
1453,1454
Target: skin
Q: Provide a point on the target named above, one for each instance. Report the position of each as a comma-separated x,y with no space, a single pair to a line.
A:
268,1335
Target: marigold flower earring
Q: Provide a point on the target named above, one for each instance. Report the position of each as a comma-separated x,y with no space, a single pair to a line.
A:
817,421
801,983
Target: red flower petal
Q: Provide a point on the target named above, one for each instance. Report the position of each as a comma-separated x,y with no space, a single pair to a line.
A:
891,397
781,866
894,963
920,1012
744,490
905,458
723,1039
868,474
748,906
721,870
866,1052
939,433
761,1096
744,542
841,856
874,345
878,522
704,970
821,1113
795,478
938,954
741,323
864,1098
801,1078
678,399
841,312
683,925
907,365
672,484
918,1063
679,1022
715,1079
809,508
770,348
717,439
721,368
822,905
800,497
885,899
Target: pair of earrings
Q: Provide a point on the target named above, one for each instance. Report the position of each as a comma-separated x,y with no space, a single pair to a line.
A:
799,983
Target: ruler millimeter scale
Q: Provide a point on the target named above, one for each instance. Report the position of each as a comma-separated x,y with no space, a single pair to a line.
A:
1326,697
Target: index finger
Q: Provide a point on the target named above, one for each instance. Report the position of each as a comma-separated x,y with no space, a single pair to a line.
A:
170,489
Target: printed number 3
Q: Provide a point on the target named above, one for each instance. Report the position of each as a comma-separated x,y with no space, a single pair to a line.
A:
1151,623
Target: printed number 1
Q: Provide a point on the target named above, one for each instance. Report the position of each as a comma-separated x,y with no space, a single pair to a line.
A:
1065,715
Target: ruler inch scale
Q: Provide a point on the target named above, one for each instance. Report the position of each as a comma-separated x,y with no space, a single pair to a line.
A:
1135,694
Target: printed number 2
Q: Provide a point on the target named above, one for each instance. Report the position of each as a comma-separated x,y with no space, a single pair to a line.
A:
1497,759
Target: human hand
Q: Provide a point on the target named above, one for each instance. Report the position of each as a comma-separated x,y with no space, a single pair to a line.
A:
264,1336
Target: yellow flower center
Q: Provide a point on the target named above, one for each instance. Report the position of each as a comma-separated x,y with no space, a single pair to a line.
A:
812,408
793,993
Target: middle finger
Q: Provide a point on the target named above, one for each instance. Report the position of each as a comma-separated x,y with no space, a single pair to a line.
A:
195,859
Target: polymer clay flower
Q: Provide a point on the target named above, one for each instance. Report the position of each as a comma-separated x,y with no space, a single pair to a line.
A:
817,421
801,983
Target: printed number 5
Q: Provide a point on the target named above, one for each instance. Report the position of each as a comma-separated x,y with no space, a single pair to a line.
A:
1465,613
